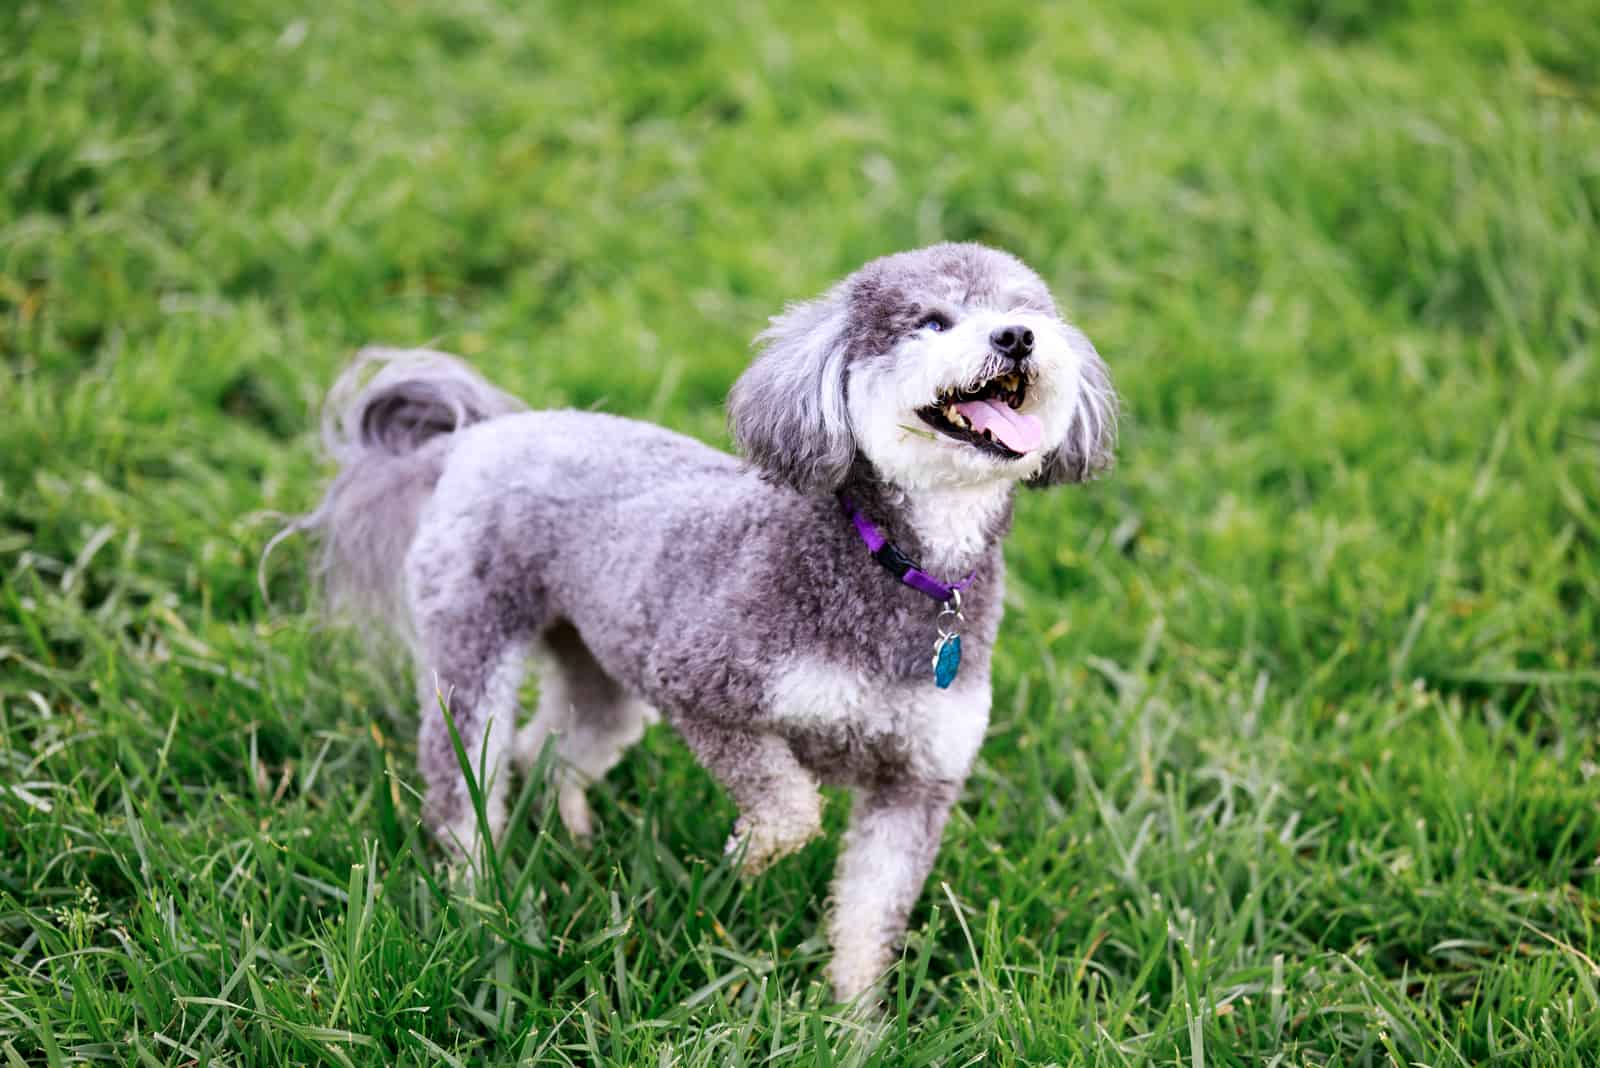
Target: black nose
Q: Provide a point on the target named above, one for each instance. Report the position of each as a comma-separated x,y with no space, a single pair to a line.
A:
1013,341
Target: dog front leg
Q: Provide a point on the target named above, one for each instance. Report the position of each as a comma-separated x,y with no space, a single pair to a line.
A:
780,809
888,851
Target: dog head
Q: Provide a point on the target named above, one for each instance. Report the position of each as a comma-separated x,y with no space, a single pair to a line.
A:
946,366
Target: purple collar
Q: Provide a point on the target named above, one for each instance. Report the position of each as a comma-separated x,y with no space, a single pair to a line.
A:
898,563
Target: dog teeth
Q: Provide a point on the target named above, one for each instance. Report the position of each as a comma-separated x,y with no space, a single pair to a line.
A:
1006,388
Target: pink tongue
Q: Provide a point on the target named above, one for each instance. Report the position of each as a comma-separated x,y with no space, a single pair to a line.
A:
1017,432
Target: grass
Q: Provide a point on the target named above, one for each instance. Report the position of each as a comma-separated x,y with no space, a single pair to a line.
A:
1294,755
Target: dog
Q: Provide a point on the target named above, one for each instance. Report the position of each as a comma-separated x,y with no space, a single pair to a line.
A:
821,612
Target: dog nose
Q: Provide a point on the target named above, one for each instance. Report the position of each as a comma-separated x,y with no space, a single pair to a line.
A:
1013,341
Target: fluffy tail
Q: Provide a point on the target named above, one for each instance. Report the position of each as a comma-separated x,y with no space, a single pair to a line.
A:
387,423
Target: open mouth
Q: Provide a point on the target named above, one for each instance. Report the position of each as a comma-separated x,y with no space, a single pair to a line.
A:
987,417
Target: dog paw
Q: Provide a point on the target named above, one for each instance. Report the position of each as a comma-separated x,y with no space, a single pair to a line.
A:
768,838
576,816
855,972
459,836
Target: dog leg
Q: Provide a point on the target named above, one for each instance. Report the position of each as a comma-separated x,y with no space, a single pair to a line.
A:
592,718
471,644
482,701
888,851
780,809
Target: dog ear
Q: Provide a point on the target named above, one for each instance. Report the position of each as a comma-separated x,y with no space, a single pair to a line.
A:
1087,449
787,411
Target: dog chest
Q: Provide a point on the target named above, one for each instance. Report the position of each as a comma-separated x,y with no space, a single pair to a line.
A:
842,714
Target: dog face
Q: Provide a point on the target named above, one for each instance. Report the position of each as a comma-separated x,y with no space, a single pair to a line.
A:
947,366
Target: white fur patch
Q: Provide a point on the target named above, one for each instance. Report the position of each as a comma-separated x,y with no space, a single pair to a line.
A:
942,729
954,525
885,395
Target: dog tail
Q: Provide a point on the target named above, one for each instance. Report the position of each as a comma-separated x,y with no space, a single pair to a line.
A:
387,423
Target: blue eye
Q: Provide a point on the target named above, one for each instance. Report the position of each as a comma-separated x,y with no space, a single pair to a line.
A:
936,323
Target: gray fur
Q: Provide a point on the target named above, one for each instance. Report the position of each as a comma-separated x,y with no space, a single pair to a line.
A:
787,412
1088,450
649,571
382,424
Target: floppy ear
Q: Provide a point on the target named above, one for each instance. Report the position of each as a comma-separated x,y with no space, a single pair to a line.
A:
1087,449
787,411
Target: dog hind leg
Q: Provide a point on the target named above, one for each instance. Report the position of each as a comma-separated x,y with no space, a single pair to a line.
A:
471,645
592,718
481,699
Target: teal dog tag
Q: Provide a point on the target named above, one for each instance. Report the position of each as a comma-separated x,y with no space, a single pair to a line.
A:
946,660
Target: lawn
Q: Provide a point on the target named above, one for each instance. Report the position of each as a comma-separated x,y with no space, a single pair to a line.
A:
1295,755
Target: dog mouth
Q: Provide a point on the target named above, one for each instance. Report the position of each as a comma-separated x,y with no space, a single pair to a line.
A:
987,416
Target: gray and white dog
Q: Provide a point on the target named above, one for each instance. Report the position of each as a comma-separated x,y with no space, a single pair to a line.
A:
639,570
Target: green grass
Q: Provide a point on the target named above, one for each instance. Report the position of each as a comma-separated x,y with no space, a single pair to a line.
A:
1294,755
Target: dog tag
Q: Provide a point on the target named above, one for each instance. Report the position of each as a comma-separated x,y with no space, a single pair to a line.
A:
946,660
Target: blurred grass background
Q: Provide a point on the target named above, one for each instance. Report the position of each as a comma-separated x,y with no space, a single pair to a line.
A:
1294,748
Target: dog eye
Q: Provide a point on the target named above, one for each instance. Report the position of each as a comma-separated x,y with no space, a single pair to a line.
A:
934,322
